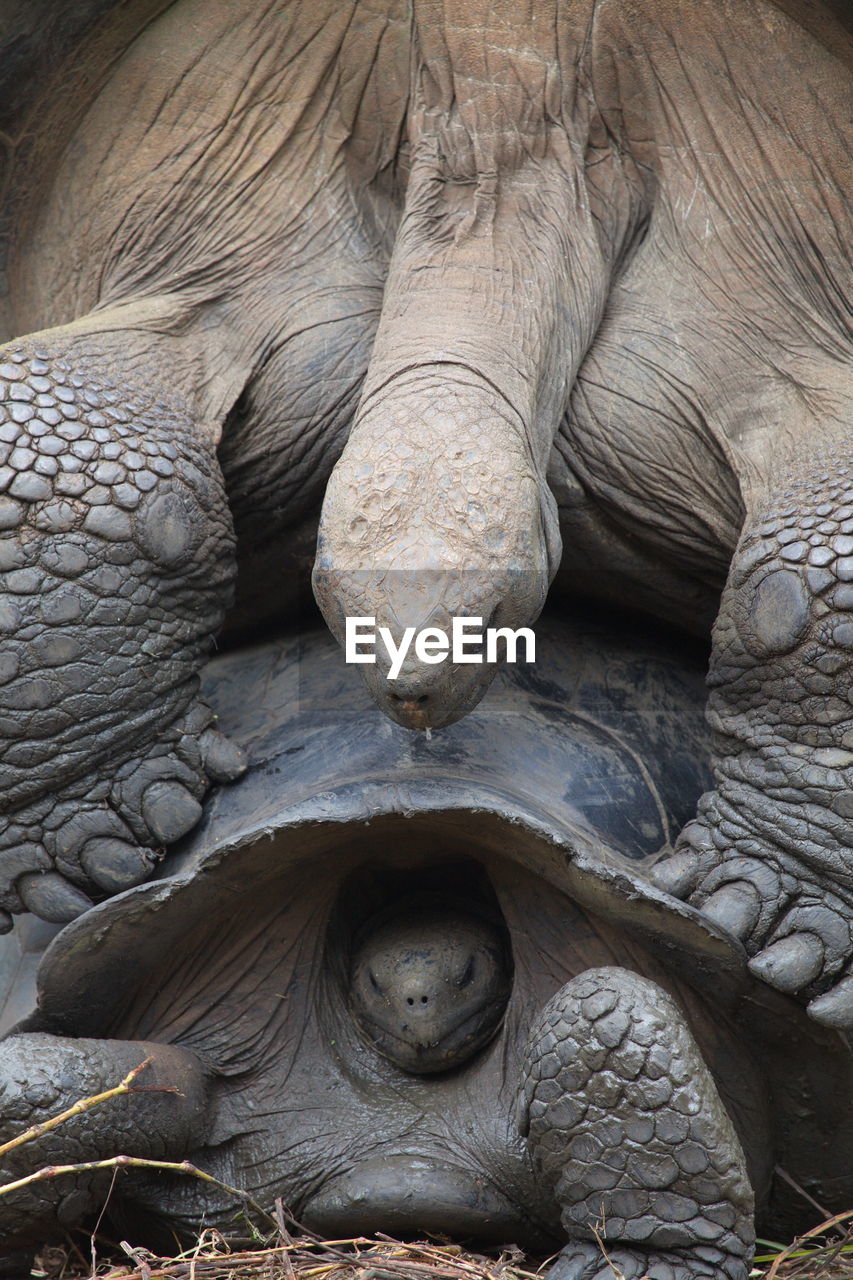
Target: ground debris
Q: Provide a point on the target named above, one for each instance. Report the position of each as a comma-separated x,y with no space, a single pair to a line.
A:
825,1253
212,1258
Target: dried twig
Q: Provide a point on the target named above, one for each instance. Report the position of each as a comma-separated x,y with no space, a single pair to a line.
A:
135,1162
795,1250
285,1239
85,1104
355,1259
801,1191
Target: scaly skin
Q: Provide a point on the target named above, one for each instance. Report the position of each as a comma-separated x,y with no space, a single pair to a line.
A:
625,1124
769,855
40,1075
116,564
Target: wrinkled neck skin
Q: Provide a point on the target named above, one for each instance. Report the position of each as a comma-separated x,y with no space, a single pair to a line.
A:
439,507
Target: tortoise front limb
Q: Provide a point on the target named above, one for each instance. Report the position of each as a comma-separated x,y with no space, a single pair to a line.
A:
626,1127
770,855
42,1075
116,565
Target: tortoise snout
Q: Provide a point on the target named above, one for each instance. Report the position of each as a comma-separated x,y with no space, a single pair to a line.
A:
431,697
426,1001
422,1019
407,702
413,711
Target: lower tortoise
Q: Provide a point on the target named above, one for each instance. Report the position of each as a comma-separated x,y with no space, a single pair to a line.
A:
427,986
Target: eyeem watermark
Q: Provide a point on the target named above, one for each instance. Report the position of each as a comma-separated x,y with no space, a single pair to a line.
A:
464,644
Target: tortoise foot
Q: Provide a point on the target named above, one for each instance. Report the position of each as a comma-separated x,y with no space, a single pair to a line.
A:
797,927
589,1260
102,835
161,1118
769,854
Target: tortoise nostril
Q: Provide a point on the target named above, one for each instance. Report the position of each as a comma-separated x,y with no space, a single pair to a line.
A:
424,999
409,1000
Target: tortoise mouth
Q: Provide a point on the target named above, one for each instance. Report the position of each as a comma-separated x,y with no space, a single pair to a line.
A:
456,1044
429,701
405,1195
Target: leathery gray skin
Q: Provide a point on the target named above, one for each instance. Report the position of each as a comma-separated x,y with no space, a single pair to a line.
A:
626,1134
575,280
630,331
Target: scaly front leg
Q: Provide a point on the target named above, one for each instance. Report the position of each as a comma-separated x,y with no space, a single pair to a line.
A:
43,1075
627,1130
770,855
116,565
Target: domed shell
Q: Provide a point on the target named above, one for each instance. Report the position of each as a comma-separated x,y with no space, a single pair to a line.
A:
582,767
563,783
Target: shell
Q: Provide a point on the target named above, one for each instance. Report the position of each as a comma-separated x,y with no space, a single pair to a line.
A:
583,766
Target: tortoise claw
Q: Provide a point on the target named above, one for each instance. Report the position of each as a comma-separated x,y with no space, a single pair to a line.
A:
222,759
791,963
735,906
835,1007
51,896
677,874
114,865
170,810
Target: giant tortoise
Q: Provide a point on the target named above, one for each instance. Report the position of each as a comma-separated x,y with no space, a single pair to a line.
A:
425,985
494,278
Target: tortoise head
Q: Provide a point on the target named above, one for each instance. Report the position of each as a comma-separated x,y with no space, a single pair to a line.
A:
434,513
429,986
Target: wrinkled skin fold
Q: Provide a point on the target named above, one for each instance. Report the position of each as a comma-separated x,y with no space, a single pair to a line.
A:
572,275
625,1131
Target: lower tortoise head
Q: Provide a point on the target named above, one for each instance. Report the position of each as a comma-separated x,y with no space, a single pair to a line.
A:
429,986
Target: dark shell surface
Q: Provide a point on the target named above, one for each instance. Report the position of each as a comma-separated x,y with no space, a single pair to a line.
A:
562,787
582,766
600,746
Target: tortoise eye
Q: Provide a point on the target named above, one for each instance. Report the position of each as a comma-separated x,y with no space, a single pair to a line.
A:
467,973
376,987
